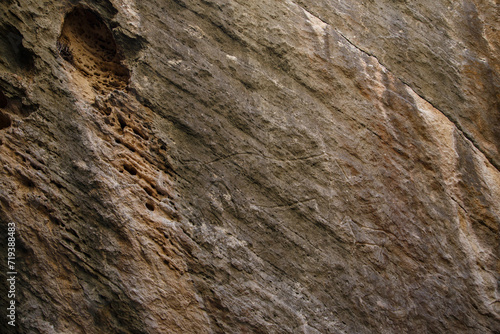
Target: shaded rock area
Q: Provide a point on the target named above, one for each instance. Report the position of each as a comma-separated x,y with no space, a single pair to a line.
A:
246,166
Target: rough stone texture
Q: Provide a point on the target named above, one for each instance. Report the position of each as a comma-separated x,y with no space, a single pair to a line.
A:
216,166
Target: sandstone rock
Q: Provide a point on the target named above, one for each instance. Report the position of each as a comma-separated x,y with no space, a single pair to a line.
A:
251,167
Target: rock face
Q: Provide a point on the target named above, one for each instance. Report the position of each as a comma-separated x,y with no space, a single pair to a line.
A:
247,166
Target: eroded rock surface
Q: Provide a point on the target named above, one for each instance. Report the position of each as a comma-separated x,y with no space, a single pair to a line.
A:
251,166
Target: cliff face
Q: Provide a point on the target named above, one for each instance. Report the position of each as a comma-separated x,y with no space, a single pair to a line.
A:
251,166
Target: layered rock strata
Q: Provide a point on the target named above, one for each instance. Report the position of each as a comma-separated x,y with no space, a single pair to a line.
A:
238,166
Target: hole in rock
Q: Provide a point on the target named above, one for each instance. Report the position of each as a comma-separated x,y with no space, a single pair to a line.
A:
26,181
140,133
122,122
149,191
5,121
88,44
150,206
130,169
3,100
13,55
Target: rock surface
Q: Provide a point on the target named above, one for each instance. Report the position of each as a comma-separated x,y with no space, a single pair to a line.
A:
246,166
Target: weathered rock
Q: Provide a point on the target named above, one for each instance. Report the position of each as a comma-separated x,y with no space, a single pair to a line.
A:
251,167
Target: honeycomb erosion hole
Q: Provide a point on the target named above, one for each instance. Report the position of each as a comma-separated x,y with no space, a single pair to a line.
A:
88,44
5,121
3,100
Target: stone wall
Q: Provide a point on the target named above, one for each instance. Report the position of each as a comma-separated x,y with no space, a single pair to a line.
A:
247,166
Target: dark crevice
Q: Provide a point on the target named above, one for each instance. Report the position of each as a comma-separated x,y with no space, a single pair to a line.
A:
13,54
5,120
131,169
86,42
